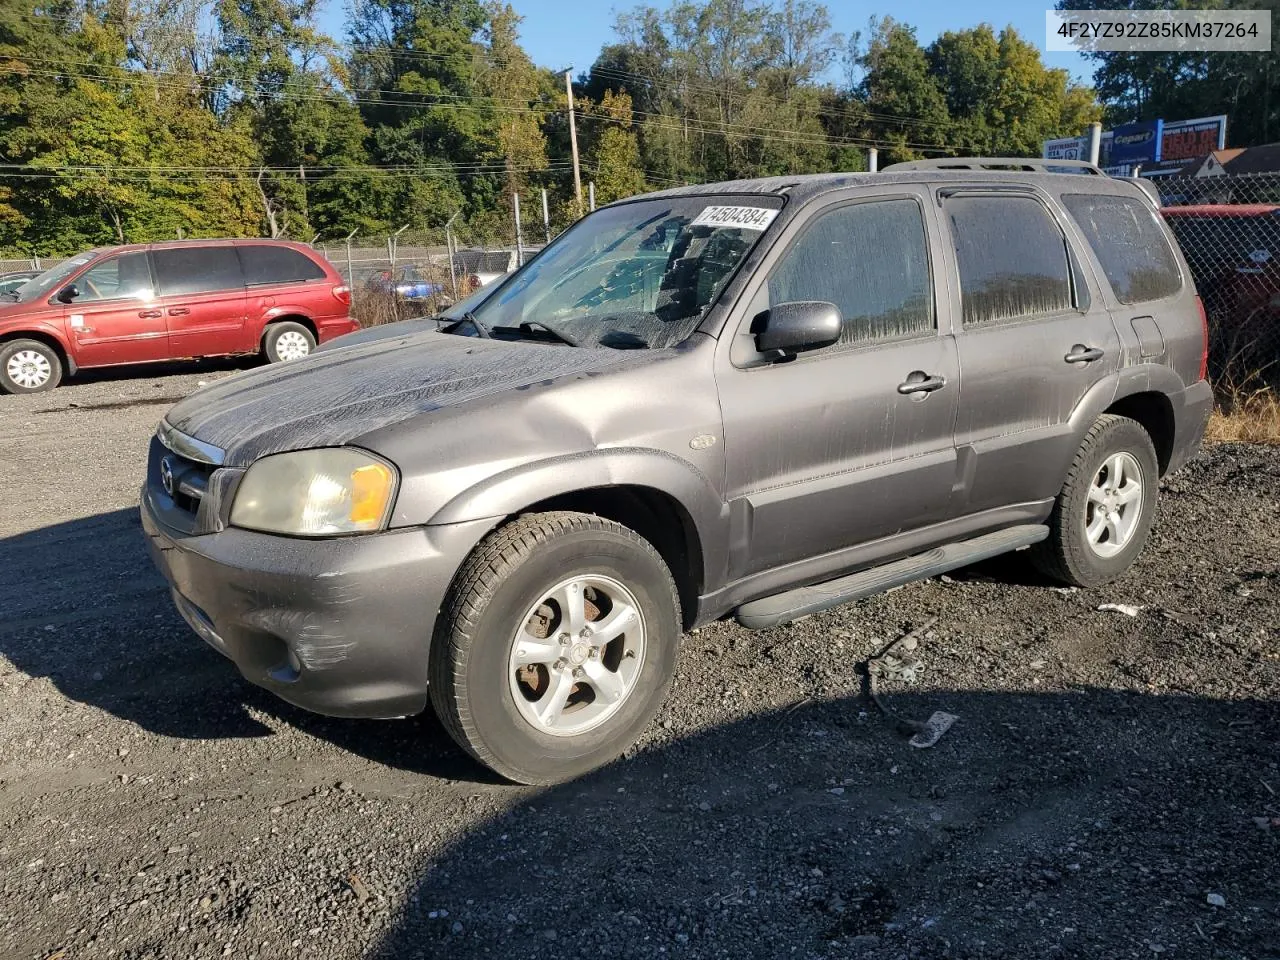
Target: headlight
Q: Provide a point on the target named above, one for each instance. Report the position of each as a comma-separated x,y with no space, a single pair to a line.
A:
315,493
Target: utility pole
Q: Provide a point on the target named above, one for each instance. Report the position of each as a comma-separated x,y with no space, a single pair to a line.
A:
573,142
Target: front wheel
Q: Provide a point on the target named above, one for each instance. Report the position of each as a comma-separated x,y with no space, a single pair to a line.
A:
1104,513
555,647
287,341
29,366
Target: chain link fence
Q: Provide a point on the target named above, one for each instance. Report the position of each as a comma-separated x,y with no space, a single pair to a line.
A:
1229,231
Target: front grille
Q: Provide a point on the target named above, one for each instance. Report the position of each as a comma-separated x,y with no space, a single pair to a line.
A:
188,492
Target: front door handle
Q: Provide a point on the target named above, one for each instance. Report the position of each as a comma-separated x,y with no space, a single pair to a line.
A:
1082,354
919,384
178,311
149,314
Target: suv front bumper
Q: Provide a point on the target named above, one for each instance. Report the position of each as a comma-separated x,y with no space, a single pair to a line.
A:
340,627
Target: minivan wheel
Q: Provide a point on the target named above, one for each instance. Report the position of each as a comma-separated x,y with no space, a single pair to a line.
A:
29,366
1104,513
287,341
555,647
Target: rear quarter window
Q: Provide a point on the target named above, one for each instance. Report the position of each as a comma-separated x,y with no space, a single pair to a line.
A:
264,263
1130,244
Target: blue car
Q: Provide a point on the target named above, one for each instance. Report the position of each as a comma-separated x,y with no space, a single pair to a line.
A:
406,282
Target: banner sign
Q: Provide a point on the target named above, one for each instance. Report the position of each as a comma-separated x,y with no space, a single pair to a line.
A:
1150,142
1136,143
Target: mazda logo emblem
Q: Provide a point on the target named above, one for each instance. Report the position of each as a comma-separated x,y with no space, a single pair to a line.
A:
166,475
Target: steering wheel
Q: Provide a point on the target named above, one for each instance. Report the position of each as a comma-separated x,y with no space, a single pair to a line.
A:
88,284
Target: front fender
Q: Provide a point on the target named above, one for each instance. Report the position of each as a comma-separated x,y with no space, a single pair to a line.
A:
43,329
511,491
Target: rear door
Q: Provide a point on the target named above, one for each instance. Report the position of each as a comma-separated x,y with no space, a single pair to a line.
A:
278,278
838,447
202,291
117,318
1033,340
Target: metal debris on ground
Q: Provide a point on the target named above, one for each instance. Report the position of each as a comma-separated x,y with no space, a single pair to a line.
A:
896,661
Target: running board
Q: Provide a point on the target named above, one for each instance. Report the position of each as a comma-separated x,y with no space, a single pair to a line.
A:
771,611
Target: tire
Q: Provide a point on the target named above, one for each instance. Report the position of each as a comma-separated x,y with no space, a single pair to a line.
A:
1070,555
287,341
475,682
29,366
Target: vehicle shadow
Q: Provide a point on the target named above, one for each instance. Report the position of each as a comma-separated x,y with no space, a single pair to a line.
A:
166,368
1095,823
82,604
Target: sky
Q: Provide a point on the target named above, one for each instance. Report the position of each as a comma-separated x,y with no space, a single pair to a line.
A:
564,33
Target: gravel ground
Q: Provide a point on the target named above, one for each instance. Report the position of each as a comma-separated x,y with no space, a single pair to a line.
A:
1111,790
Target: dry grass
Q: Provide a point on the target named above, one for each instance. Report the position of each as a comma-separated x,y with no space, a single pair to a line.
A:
1246,416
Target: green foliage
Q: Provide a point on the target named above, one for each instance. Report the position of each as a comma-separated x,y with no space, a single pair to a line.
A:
131,122
1176,86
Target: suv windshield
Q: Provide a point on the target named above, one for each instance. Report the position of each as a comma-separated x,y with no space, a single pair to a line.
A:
636,276
52,279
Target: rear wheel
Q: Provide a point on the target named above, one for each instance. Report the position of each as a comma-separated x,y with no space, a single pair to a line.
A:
287,341
29,366
556,646
1104,513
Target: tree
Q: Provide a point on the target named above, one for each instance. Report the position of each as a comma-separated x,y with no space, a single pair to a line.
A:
615,156
1182,85
899,86
512,84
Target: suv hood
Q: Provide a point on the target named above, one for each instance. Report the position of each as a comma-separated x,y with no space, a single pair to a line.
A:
337,395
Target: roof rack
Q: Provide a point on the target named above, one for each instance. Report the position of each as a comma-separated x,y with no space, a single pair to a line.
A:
1025,164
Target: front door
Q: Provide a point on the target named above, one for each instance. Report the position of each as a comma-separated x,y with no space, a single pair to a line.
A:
204,299
853,442
1033,341
116,317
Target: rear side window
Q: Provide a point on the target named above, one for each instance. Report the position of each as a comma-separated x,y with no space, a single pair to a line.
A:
1012,258
1131,247
264,263
184,270
869,259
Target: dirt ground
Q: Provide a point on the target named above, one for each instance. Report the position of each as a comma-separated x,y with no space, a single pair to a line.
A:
1111,789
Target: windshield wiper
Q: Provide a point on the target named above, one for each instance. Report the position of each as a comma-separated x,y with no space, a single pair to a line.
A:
558,334
472,319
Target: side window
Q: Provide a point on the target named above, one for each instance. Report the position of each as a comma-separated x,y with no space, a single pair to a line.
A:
871,260
1012,258
184,270
1130,244
126,277
265,263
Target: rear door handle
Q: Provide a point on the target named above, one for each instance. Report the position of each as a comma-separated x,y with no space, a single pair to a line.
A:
1082,354
178,311
919,383
149,314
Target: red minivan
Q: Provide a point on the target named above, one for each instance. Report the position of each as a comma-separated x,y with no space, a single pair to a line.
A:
169,301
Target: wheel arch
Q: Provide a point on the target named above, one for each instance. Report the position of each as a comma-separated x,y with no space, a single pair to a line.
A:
51,340
1154,413
663,499
288,316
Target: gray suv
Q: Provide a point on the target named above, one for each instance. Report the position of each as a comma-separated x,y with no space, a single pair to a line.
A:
760,398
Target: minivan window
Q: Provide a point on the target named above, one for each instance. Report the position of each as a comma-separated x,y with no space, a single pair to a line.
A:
871,260
1131,246
126,277
1012,258
53,279
267,263
639,275
186,270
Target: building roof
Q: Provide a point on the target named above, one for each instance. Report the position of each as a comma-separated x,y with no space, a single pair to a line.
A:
1261,159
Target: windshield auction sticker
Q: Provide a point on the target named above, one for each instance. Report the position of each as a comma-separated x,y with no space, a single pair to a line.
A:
744,218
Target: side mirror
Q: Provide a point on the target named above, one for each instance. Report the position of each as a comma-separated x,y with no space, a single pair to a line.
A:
789,328
68,293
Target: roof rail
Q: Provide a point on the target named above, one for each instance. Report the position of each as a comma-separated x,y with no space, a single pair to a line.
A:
1024,164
